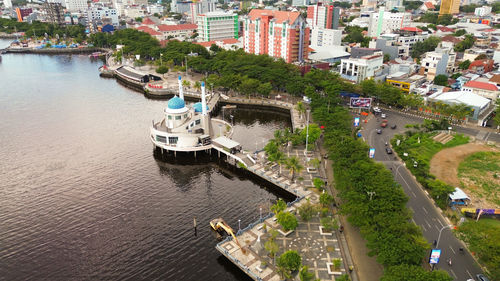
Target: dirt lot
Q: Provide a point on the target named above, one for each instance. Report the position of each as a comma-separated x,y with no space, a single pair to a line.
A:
444,165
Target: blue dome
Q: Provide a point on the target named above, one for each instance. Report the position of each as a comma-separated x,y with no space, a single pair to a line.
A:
197,107
176,103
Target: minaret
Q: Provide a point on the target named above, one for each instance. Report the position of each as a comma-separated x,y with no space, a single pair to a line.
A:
181,94
203,100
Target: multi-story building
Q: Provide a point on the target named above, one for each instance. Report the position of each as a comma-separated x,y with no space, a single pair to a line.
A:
97,13
357,70
405,82
7,4
55,12
76,5
179,6
394,5
201,7
176,31
155,9
276,33
482,11
482,66
217,25
323,16
441,61
449,7
389,23
321,37
22,13
487,90
300,3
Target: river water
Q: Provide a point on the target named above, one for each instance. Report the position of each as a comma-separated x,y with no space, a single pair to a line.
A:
82,195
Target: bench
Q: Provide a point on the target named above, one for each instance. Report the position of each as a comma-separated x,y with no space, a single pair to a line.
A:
259,269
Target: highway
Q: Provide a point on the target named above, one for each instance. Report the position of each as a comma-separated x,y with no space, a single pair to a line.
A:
425,214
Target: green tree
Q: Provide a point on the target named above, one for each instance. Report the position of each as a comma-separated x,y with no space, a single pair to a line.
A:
290,260
162,69
318,183
186,84
325,199
368,87
496,119
293,164
413,273
387,58
440,192
248,86
197,86
329,223
279,206
345,277
264,89
481,57
425,46
455,75
271,246
307,210
464,65
138,19
441,79
301,108
214,48
459,32
465,44
287,220
305,274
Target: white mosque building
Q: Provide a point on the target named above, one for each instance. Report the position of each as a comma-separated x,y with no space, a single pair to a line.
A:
183,128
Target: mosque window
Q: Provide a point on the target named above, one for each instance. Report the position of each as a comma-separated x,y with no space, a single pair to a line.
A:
173,140
178,117
185,115
169,117
197,122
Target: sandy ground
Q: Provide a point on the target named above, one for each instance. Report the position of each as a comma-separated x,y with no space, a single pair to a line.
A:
444,165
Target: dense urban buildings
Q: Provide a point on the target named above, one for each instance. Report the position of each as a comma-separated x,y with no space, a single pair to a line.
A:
217,25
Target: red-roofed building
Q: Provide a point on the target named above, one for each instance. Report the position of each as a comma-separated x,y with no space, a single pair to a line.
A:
226,44
483,89
427,6
481,66
148,21
411,29
150,31
445,29
175,31
279,34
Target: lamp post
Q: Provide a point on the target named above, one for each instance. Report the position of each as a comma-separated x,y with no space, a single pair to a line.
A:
260,212
439,236
231,116
307,130
239,225
161,55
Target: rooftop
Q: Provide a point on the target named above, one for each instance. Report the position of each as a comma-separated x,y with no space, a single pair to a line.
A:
188,26
279,16
481,85
148,30
463,97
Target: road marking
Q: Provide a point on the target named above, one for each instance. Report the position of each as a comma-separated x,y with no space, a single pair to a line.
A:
468,273
453,273
414,195
452,249
425,210
437,228
428,223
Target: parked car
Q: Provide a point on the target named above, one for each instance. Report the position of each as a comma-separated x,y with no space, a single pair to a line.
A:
376,110
481,277
388,150
393,126
379,131
384,123
383,115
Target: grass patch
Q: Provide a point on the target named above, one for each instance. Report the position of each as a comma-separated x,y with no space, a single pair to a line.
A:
421,148
480,174
483,239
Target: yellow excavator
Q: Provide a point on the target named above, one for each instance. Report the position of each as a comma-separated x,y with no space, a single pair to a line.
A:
221,227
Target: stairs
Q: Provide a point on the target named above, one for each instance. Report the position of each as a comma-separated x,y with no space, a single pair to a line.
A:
442,138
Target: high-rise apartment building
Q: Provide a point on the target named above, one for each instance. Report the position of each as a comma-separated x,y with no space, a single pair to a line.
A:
201,7
279,34
389,23
217,25
323,16
449,7
7,4
76,5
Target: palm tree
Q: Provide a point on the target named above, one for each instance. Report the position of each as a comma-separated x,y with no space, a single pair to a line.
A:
186,83
280,158
197,86
300,108
293,164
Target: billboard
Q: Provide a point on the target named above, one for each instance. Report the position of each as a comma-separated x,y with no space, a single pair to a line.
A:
435,254
356,121
372,152
360,102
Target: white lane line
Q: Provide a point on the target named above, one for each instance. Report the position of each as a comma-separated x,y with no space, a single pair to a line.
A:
437,228
452,249
453,273
428,223
468,273
425,210
414,195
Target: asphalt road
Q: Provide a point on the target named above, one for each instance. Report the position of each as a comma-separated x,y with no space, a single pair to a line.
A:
425,213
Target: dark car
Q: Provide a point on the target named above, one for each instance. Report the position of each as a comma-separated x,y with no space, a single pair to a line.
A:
393,126
388,150
379,131
481,277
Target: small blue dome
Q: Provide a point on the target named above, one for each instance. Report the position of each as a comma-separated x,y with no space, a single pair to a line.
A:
197,107
176,103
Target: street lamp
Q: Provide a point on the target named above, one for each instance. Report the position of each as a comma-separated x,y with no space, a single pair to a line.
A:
307,130
260,211
161,55
239,225
231,116
439,236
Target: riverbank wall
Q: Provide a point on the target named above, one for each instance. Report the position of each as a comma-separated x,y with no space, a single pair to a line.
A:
54,51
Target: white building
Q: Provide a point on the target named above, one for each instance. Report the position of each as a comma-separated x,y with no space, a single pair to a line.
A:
155,9
99,13
441,61
394,4
134,12
321,37
76,5
201,7
482,11
300,3
484,89
357,70
476,102
390,22
7,4
217,25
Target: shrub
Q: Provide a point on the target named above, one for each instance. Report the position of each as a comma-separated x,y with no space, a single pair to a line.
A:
162,69
287,220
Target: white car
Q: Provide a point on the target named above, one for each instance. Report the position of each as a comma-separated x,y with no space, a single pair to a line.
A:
383,115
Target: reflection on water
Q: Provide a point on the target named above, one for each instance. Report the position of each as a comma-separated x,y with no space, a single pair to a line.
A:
83,197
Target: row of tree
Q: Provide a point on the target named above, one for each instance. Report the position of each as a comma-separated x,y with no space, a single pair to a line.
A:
372,200
38,29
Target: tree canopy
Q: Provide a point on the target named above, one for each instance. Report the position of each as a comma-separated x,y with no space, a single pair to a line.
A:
441,80
425,46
